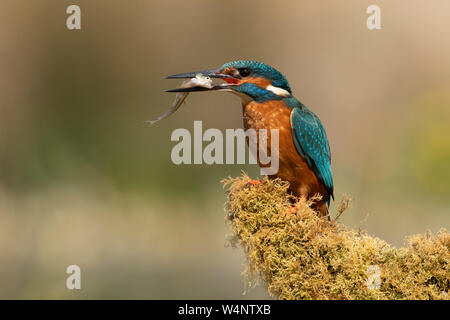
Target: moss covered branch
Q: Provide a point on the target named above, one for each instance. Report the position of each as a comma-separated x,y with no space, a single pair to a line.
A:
298,255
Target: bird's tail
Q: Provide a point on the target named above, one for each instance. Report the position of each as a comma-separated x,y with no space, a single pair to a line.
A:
322,209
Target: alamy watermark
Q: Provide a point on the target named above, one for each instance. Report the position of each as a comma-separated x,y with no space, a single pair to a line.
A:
221,149
74,280
373,279
373,22
73,21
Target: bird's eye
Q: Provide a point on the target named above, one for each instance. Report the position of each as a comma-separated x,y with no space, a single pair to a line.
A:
244,72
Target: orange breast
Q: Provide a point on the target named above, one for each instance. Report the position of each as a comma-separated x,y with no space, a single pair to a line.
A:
292,166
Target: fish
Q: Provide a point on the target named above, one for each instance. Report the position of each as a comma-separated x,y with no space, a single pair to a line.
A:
199,81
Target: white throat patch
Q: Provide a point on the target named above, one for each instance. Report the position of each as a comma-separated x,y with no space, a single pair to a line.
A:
278,91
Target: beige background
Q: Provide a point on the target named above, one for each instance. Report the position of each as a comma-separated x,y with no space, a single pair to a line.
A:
83,182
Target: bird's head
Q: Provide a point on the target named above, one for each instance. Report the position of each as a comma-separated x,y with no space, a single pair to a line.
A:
251,80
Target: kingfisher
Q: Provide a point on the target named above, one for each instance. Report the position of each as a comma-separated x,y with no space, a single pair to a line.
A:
268,103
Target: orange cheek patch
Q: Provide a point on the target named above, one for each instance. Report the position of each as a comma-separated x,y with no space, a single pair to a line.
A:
229,71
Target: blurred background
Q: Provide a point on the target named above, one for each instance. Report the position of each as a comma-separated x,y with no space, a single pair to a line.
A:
83,181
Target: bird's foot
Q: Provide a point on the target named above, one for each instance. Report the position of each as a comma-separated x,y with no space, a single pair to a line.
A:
252,183
290,210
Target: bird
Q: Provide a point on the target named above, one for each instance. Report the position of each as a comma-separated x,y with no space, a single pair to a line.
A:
268,103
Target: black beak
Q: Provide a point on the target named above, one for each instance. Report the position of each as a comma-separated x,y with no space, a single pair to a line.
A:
214,73
197,89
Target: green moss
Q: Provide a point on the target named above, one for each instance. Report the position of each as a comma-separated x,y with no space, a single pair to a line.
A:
298,255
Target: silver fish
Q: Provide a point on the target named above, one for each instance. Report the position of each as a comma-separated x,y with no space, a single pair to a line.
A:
199,81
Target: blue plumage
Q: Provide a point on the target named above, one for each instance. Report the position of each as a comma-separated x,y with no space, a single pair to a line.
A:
311,142
263,70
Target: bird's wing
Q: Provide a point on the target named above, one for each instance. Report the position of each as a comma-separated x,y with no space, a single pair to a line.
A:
311,142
